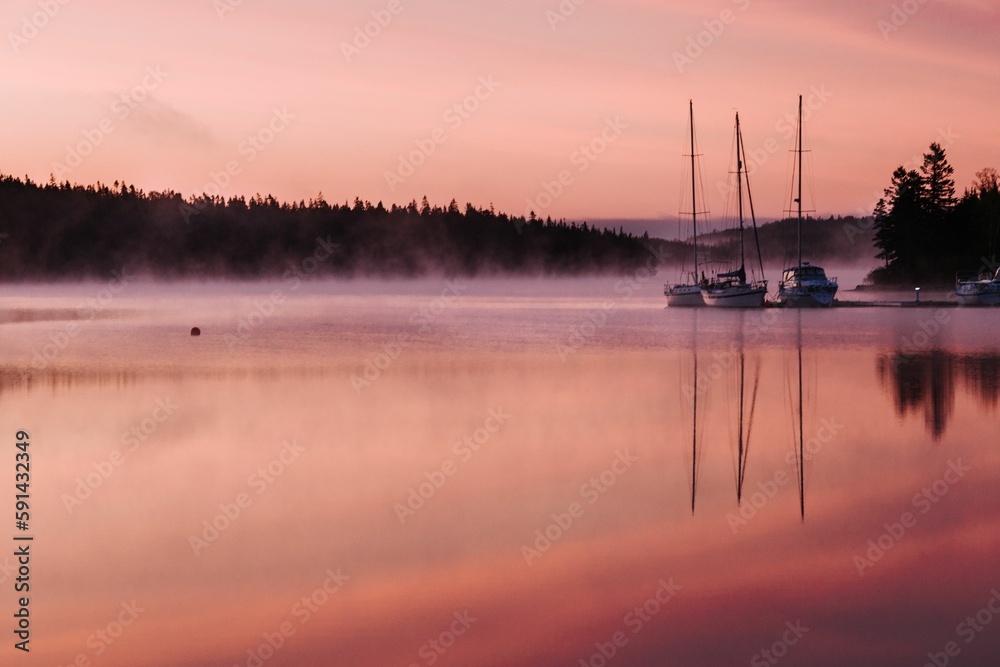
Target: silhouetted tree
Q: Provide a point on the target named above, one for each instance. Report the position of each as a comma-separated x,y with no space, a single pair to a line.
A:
71,231
900,223
922,232
938,182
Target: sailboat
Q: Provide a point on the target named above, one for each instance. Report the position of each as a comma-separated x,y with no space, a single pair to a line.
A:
804,285
689,295
731,290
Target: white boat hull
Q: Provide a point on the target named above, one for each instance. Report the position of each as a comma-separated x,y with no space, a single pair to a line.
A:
982,292
746,296
807,296
978,295
684,296
806,286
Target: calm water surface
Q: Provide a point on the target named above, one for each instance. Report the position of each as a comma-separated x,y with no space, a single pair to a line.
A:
500,473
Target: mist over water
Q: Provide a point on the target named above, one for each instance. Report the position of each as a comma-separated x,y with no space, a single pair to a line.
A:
502,472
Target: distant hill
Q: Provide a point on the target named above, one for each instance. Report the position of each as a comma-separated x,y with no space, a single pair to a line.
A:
843,239
847,239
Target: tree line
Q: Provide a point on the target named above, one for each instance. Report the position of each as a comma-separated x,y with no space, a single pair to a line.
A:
924,232
64,231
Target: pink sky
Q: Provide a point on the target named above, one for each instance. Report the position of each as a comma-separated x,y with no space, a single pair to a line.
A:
344,120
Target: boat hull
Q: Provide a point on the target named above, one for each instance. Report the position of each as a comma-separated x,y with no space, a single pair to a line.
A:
684,296
807,296
982,292
977,294
736,297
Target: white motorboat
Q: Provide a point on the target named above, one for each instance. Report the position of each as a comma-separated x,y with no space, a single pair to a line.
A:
683,295
805,285
981,290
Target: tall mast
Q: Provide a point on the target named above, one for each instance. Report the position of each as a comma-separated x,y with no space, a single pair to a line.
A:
799,200
739,184
694,201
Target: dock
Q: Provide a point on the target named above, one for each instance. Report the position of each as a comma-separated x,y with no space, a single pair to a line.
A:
895,304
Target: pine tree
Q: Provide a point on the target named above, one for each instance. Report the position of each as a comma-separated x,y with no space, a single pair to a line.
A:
884,233
938,180
901,223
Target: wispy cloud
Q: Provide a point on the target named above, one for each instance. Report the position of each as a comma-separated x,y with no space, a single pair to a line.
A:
162,121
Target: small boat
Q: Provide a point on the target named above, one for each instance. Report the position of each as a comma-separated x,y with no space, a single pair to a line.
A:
805,285
978,290
731,289
683,295
689,295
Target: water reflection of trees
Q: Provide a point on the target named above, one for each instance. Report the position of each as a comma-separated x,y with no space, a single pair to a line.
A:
15,380
926,382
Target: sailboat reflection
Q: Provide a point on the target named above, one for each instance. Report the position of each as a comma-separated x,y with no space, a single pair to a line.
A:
694,393
800,464
741,372
745,416
926,382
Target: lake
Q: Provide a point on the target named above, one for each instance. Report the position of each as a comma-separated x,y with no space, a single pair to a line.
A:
488,472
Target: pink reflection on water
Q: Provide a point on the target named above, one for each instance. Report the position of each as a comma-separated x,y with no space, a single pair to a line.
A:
334,507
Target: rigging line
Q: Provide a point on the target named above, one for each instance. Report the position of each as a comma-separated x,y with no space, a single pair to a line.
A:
728,215
706,212
788,247
680,221
811,182
753,219
799,201
739,187
809,175
697,187
694,199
